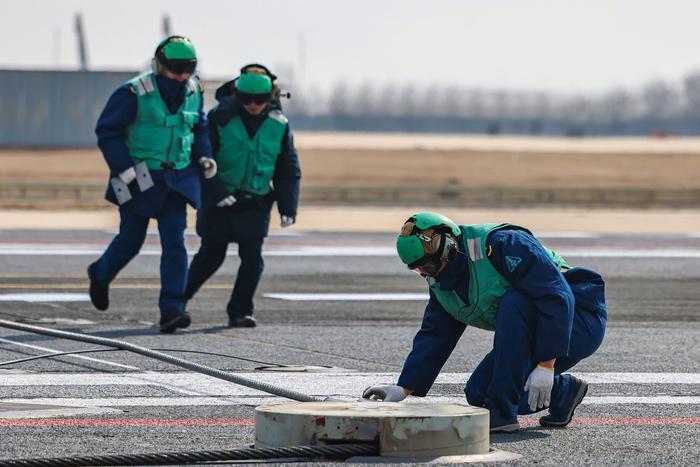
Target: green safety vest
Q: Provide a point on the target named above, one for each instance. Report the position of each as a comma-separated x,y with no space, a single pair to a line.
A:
486,285
157,136
248,164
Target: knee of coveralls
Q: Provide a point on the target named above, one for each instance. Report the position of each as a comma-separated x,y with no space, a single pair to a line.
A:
478,382
123,248
586,336
173,261
514,341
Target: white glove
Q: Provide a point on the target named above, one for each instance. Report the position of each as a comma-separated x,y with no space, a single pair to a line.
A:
287,221
391,393
128,176
228,201
539,384
208,165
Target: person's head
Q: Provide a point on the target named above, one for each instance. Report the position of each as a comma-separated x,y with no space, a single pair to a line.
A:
254,88
427,242
175,58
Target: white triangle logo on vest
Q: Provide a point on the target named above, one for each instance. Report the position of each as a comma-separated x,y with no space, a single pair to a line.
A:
512,262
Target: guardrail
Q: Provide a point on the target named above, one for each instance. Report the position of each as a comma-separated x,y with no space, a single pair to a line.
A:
55,195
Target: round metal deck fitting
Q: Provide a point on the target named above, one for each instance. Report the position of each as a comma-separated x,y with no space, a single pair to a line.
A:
415,430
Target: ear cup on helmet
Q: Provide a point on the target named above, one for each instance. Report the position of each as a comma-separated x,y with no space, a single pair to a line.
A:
448,247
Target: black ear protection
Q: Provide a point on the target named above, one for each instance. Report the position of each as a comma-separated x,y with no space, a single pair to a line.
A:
448,247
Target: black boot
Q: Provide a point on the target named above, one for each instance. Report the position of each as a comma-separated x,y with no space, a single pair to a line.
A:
169,323
246,321
99,293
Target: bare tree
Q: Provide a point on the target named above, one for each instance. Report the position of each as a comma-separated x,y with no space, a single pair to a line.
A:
660,100
692,92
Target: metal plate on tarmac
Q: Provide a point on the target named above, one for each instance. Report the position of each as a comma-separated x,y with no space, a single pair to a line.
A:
299,369
13,410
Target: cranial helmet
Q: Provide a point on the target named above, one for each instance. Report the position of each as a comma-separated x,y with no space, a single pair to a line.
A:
427,240
177,54
254,83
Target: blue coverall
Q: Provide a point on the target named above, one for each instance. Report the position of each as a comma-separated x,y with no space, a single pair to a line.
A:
546,314
166,201
248,220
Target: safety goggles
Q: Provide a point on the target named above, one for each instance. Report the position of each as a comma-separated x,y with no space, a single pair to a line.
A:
259,99
427,265
181,66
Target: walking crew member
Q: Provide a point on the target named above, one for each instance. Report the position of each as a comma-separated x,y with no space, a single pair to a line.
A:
546,316
258,164
153,136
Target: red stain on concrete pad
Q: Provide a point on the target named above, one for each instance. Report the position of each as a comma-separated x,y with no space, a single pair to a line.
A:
320,421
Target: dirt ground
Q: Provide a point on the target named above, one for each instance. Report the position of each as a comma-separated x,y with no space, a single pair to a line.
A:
349,160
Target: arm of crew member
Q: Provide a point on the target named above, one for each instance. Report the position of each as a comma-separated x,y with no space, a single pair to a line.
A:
201,146
117,115
536,275
432,346
287,176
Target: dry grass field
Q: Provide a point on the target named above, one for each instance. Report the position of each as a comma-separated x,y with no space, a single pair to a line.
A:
430,161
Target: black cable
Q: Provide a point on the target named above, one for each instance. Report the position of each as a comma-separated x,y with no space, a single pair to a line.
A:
74,352
336,451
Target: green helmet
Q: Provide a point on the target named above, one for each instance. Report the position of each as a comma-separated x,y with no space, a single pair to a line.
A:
254,83
177,54
412,244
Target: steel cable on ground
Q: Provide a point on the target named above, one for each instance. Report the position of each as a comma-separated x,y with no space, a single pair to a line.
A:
216,373
337,451
77,352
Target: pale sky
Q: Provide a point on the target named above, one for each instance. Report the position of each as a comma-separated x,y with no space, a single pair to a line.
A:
562,46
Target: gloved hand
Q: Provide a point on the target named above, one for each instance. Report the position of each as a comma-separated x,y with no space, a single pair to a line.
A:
286,221
128,176
539,383
390,393
228,201
208,166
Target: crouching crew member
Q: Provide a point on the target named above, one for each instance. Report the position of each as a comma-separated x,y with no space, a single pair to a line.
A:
153,136
258,164
547,316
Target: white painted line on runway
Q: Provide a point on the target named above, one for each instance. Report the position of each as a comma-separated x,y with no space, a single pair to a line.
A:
44,297
341,381
310,297
46,349
341,251
255,401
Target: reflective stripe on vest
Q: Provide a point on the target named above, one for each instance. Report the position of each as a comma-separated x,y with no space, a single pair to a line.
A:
157,136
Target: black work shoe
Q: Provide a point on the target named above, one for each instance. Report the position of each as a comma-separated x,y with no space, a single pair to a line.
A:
498,424
99,294
559,418
246,321
170,324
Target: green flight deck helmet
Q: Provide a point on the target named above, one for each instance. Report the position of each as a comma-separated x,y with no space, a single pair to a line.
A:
254,83
177,54
427,240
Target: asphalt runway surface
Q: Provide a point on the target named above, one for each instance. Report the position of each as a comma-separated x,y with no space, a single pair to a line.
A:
642,408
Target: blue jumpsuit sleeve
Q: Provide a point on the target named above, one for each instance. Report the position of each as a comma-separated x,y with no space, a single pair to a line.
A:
432,346
201,147
524,262
117,115
286,178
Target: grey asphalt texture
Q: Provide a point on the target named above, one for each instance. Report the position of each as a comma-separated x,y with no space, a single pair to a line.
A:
654,314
